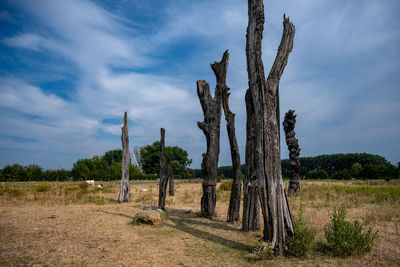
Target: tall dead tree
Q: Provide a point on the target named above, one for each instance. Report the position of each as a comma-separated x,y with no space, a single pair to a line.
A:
251,209
294,152
236,190
265,96
211,128
171,180
126,161
162,188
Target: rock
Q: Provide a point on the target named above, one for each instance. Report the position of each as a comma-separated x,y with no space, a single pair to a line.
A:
149,215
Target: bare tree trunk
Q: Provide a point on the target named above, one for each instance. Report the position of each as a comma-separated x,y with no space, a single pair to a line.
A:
264,93
251,210
162,188
294,152
126,161
211,128
236,191
171,180
136,152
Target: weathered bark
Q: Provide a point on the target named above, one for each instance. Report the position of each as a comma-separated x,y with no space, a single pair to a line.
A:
211,128
162,188
251,210
126,160
264,93
171,180
294,152
236,191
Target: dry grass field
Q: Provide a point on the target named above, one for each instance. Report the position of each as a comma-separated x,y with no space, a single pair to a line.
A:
66,226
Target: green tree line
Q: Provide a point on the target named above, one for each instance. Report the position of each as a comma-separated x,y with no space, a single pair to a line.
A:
336,166
106,167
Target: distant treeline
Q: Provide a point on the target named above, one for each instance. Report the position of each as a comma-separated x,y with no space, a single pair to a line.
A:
102,168
18,173
108,167
338,166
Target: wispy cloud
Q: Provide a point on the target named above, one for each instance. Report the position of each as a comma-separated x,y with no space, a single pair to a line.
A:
127,58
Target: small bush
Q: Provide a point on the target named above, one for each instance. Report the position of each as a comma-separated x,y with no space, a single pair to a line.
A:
304,236
42,188
225,186
346,239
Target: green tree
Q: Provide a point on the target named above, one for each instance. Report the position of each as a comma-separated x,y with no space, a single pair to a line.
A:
81,169
113,156
150,159
356,170
14,172
342,175
34,172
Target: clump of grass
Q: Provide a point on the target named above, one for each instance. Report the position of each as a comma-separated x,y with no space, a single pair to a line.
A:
145,198
302,241
347,239
84,187
225,186
98,200
136,221
355,194
263,251
71,188
103,190
41,188
12,192
188,197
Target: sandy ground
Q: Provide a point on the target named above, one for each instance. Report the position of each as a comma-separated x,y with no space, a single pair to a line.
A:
49,233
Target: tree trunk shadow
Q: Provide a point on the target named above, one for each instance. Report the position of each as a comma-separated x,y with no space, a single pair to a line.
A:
182,224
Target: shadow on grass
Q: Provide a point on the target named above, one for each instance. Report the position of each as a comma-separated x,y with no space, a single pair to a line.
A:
187,214
114,213
183,224
182,221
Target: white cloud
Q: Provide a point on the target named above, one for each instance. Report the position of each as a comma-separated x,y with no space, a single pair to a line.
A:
333,38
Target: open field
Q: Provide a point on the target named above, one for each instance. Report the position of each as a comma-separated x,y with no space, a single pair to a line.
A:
69,226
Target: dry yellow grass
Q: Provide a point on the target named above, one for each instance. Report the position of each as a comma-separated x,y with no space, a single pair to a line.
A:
56,228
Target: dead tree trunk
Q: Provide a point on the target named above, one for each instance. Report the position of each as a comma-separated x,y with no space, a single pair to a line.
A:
211,128
162,188
294,152
251,210
236,191
264,93
126,161
171,180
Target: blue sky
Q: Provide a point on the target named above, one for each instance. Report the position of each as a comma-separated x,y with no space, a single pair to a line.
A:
69,69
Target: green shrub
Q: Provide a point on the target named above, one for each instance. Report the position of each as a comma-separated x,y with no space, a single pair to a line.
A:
225,186
346,239
41,188
303,238
318,174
